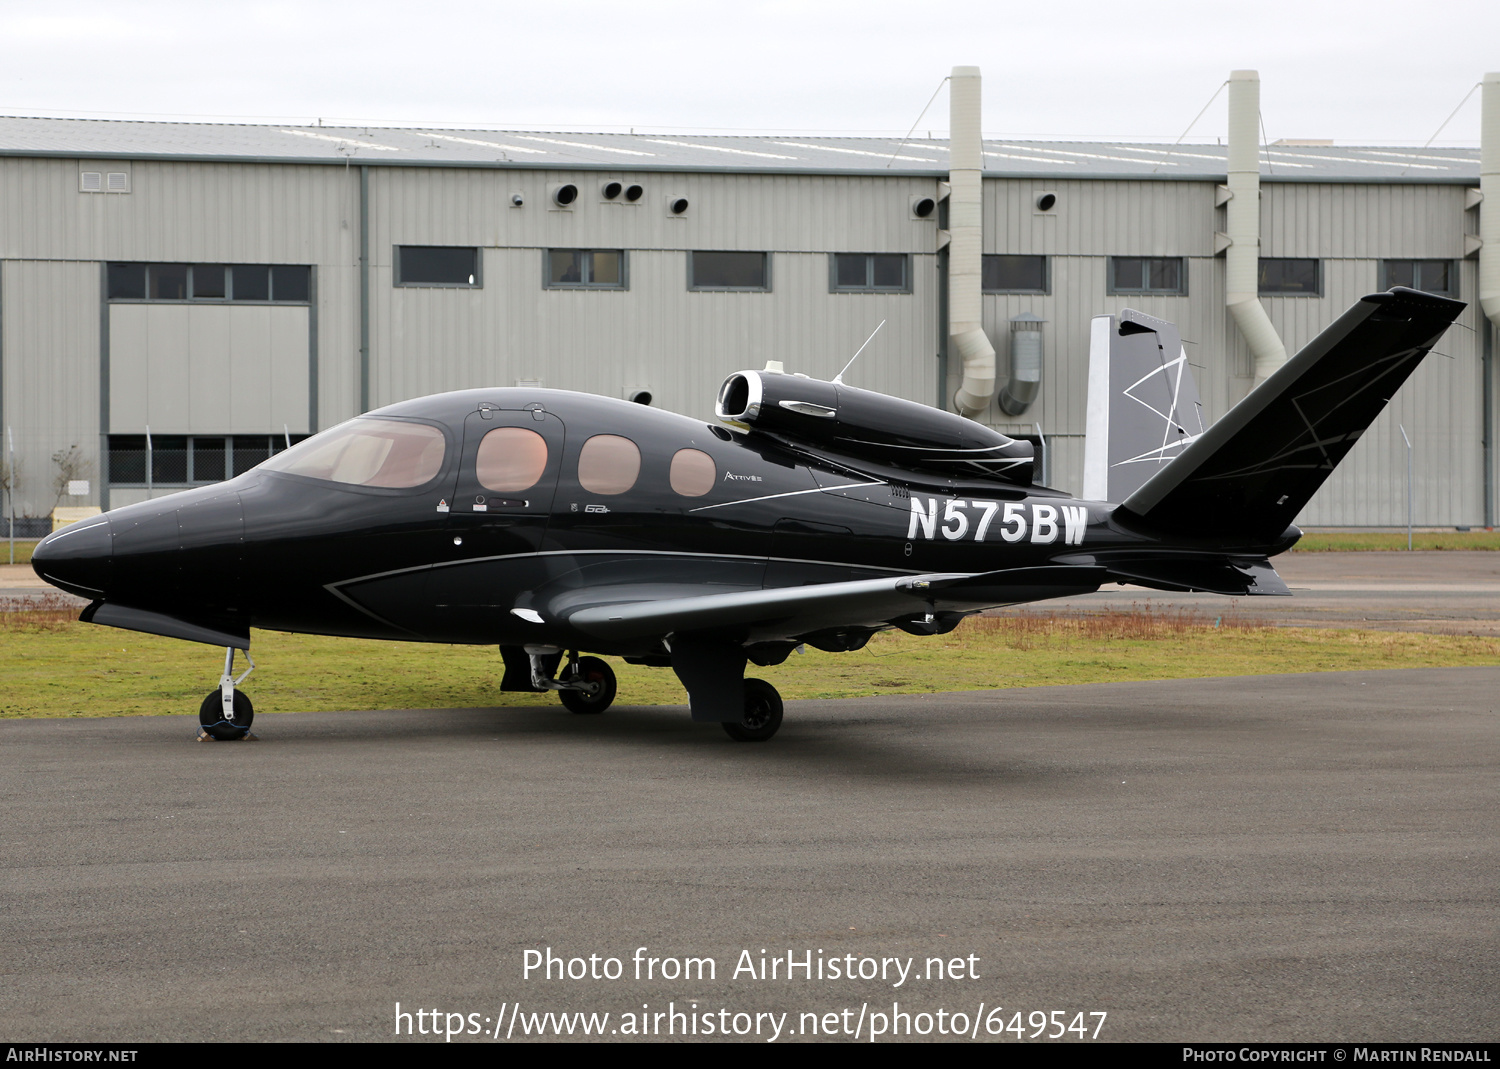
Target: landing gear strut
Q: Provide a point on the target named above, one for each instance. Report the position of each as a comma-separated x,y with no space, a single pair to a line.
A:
226,713
584,684
762,717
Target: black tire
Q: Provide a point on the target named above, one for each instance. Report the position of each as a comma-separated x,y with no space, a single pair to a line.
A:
762,717
211,717
600,676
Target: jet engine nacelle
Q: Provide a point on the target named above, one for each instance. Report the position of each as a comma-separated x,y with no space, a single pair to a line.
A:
834,418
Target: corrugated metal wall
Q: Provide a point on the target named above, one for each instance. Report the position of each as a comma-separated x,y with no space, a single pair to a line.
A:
49,312
659,334
681,344
1350,228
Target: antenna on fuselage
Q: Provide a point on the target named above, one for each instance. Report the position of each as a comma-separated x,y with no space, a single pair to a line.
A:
839,378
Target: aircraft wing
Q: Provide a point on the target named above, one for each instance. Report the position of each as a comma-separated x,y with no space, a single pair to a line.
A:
787,612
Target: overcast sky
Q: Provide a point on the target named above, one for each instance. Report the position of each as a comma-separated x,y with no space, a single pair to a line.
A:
1375,71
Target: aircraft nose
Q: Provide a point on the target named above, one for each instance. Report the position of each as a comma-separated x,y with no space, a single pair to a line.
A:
77,558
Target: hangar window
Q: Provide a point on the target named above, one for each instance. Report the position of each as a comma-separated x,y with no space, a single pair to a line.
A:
1009,273
869,272
1289,278
1431,276
729,271
1148,274
366,452
434,265
191,460
596,269
217,283
693,472
511,459
608,464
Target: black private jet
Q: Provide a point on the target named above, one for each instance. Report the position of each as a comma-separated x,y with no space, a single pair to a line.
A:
551,523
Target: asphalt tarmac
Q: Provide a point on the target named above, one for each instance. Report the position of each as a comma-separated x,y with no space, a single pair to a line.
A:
1309,857
1431,591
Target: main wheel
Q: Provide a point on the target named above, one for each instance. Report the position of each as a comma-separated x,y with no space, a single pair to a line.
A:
762,717
600,680
211,716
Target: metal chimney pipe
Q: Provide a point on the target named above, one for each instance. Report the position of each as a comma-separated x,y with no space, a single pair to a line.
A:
1242,258
1489,268
1489,208
966,234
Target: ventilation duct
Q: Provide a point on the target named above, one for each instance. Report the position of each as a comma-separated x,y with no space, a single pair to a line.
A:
1025,364
965,219
1242,258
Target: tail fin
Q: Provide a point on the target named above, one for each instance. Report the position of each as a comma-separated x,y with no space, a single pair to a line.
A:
1249,474
1143,408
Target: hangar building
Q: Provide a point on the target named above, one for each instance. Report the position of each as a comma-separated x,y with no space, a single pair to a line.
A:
227,288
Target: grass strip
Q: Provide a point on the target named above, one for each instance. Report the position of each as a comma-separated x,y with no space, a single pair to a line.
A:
23,550
1359,541
53,666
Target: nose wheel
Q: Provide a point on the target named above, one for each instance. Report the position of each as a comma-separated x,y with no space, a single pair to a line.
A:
762,717
589,685
226,713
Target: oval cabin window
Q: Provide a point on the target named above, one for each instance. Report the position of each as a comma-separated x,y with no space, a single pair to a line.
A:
608,464
693,472
511,459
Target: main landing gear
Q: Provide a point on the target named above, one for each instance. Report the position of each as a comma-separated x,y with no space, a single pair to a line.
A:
226,713
762,717
711,669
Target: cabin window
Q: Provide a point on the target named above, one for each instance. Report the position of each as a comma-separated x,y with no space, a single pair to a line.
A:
608,464
1165,275
693,472
511,459
1009,273
437,265
366,452
869,272
729,271
1430,276
585,269
1289,278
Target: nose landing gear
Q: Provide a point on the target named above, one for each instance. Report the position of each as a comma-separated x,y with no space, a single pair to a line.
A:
226,713
590,685
584,685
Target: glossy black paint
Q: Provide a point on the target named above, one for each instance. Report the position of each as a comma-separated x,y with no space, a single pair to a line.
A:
276,550
820,536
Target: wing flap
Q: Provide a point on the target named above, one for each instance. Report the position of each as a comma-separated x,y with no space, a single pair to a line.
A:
789,611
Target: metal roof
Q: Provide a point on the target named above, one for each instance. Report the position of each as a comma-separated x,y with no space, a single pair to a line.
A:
117,139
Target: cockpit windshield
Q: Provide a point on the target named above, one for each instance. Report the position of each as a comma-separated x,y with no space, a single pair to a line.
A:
367,452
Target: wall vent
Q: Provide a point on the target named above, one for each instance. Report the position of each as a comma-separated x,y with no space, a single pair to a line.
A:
117,182
90,181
